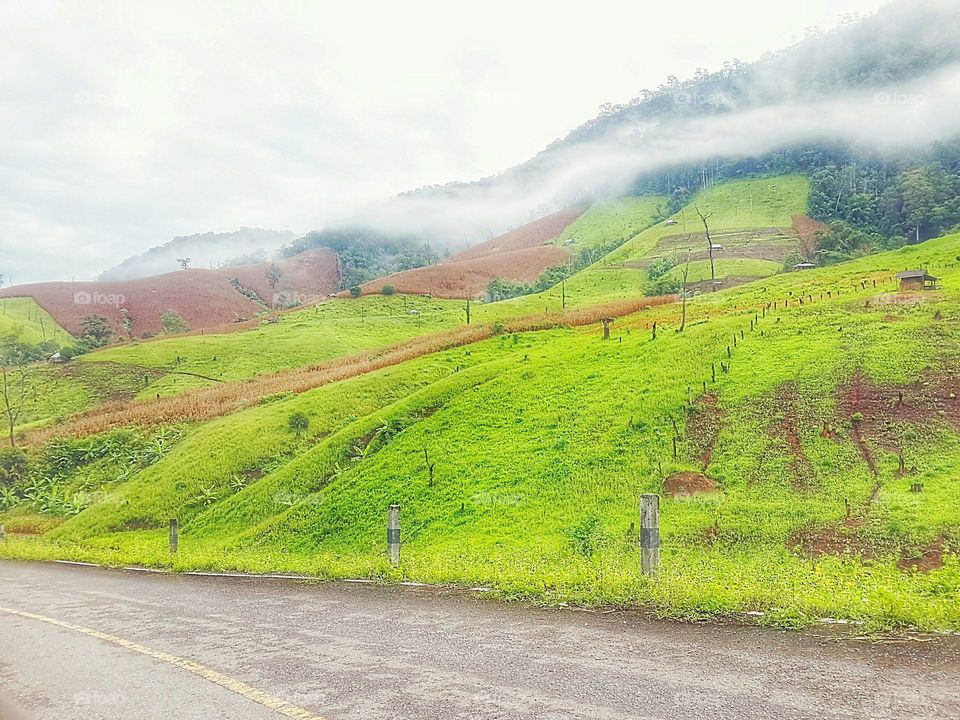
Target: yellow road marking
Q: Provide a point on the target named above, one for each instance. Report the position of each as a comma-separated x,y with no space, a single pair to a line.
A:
236,686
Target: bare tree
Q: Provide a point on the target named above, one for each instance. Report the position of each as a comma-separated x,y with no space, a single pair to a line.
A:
16,384
706,226
683,295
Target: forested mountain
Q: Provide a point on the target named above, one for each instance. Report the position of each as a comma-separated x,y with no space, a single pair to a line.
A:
867,111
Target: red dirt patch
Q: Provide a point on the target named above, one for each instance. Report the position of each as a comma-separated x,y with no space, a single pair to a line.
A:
806,229
680,484
204,298
832,540
519,255
877,411
703,428
930,559
787,430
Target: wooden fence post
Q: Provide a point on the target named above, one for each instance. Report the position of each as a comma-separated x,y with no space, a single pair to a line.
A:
649,533
393,534
174,535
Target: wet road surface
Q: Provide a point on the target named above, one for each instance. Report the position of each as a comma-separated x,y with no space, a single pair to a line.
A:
91,644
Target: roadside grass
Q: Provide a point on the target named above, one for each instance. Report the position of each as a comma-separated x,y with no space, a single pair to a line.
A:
23,318
542,443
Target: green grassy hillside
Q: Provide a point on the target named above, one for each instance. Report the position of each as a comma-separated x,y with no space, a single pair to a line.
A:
29,323
807,424
751,218
347,326
312,335
607,223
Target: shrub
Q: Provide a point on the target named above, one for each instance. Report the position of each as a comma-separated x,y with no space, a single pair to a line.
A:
173,323
14,466
586,537
660,267
664,286
355,291
389,290
298,423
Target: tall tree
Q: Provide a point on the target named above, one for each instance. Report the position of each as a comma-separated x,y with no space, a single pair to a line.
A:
17,377
704,217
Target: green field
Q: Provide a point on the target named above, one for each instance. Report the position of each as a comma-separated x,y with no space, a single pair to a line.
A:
746,209
541,444
347,326
312,335
28,322
612,222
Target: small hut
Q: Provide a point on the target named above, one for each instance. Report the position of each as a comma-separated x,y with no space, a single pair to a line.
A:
805,265
917,280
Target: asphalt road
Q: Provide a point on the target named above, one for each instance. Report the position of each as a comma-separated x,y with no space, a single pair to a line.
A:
94,644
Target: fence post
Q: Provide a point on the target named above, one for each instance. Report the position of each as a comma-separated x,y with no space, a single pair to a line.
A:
649,533
393,534
3,533
174,535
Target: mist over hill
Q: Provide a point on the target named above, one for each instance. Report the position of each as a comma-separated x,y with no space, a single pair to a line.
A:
243,246
886,86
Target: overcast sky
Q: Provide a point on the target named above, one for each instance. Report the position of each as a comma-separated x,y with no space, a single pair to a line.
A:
125,124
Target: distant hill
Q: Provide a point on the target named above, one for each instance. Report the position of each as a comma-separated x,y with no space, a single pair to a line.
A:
243,246
520,255
204,298
858,109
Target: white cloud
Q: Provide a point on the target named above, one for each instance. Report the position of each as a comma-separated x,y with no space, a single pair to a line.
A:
124,124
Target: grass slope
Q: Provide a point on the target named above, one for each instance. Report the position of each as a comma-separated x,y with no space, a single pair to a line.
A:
312,335
751,218
605,223
346,326
542,443
28,322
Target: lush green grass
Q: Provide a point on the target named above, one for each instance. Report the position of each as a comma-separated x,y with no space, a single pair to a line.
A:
543,443
615,221
343,327
699,270
28,322
741,205
312,335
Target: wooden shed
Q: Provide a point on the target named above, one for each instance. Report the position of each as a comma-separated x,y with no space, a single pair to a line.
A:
917,280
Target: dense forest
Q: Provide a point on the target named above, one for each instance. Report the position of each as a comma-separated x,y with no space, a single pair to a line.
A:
365,253
871,202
